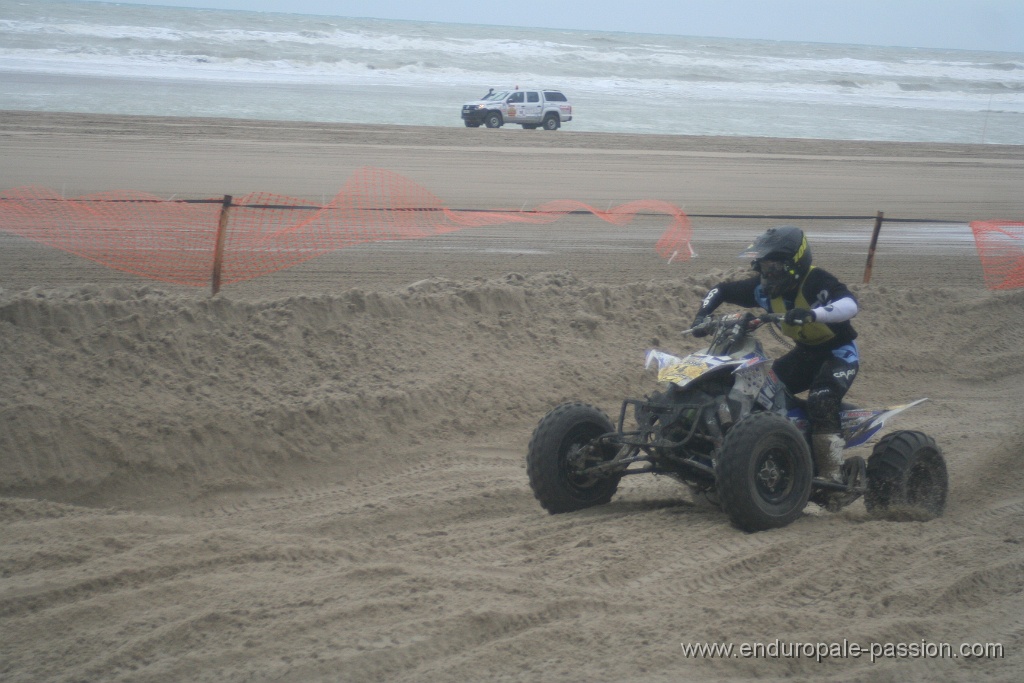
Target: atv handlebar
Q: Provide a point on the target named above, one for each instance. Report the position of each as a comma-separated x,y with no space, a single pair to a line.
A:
743,322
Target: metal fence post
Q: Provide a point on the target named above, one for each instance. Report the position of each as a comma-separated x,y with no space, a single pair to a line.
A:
218,251
871,249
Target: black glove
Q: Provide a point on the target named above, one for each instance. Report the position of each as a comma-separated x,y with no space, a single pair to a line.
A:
799,316
697,330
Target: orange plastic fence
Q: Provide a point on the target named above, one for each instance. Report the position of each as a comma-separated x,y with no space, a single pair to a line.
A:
129,231
176,241
1000,246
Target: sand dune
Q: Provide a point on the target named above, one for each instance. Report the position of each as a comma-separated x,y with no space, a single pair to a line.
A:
320,475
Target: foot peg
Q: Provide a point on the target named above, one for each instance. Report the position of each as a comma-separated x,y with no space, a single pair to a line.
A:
854,472
854,475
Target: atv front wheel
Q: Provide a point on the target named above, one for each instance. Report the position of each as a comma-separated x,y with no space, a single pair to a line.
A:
764,472
907,475
562,446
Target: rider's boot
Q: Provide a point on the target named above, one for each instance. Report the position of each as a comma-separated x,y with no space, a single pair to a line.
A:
829,463
828,455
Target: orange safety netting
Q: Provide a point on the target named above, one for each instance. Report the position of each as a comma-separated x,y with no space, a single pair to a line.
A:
130,231
177,241
1000,246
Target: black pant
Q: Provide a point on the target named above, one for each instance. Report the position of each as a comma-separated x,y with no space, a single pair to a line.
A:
824,377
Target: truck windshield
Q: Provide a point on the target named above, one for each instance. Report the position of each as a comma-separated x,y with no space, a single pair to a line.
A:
497,96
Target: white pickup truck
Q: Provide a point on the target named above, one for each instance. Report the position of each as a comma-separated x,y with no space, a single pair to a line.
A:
547,109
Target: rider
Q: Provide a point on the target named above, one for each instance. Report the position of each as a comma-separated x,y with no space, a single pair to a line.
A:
817,309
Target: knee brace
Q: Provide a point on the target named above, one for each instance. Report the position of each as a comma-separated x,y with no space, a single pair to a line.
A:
823,410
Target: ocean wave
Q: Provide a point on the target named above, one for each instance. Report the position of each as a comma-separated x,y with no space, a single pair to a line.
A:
557,53
1004,66
249,62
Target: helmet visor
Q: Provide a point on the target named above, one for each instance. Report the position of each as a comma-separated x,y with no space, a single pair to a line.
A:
753,252
782,242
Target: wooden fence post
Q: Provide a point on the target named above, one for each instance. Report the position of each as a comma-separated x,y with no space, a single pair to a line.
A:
871,249
218,251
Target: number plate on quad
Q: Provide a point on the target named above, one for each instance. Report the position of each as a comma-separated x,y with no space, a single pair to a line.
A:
687,369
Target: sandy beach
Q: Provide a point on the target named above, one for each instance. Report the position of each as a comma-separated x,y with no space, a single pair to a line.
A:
319,475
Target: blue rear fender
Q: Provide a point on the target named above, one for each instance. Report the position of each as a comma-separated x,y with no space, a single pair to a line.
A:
858,424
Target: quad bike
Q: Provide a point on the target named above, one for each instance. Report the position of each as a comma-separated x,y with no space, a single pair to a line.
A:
727,427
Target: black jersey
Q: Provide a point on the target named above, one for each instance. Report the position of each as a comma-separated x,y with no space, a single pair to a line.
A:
818,289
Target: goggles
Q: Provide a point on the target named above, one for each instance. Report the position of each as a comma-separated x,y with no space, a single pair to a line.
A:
770,268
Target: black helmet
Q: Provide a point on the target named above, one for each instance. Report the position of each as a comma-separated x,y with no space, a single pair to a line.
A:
787,246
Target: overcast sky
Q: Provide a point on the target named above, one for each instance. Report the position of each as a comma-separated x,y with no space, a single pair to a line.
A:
961,24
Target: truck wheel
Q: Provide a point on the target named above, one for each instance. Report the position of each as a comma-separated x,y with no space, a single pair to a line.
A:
764,472
493,120
907,475
551,122
561,446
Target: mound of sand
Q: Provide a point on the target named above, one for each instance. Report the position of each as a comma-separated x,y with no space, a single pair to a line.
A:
115,385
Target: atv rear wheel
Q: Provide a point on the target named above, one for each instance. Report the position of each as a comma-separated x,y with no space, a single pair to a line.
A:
764,472
561,447
907,475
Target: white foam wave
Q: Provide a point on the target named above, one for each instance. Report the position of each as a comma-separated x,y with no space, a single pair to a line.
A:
643,57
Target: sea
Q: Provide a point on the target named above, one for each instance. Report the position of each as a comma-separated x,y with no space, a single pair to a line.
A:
112,58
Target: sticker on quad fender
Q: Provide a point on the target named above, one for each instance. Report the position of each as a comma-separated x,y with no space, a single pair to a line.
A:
683,372
690,368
